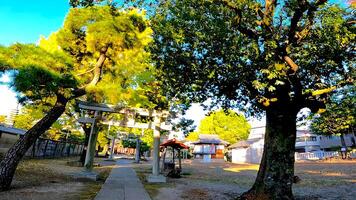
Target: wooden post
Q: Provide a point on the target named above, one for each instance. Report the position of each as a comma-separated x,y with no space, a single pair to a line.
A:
54,150
68,149
164,159
137,156
138,146
179,159
45,149
34,148
89,158
174,163
61,153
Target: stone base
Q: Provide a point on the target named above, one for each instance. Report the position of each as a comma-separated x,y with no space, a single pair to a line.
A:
156,179
86,175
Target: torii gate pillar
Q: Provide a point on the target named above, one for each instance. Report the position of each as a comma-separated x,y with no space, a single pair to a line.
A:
89,158
155,177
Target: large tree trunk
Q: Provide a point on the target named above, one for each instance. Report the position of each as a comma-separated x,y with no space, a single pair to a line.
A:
275,176
12,158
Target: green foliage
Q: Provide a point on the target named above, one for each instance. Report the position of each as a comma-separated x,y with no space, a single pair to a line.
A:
339,116
227,52
46,85
130,143
68,59
185,125
229,126
75,136
121,36
39,74
103,139
2,118
28,116
148,138
84,3
192,136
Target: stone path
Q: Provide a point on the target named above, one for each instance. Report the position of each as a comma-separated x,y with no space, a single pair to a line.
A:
122,184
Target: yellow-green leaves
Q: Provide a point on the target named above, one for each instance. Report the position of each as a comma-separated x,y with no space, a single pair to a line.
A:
229,126
122,36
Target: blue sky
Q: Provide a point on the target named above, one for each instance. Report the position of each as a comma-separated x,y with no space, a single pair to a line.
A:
24,21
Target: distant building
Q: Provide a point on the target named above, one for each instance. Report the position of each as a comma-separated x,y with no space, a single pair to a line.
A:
209,145
8,136
309,142
11,117
250,150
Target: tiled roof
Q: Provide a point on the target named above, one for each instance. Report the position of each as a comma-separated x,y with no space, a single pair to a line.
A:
210,139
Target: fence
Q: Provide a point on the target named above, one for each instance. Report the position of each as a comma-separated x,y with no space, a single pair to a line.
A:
122,150
316,155
46,148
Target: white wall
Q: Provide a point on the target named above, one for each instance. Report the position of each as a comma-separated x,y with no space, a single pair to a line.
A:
246,155
239,155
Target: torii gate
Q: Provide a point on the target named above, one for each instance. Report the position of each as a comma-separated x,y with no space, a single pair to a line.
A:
128,121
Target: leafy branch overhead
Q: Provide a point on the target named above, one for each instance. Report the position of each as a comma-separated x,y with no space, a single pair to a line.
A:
98,51
245,53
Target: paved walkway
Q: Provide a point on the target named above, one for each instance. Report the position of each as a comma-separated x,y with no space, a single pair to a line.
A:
122,184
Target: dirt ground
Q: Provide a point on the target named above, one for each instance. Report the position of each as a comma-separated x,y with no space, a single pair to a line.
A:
223,181
54,179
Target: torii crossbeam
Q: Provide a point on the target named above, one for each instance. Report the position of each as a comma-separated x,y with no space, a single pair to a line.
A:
129,121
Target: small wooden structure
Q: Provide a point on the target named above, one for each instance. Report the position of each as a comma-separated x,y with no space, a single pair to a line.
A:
173,145
209,145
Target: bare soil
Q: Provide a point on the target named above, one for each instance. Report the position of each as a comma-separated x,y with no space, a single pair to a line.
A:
42,179
219,180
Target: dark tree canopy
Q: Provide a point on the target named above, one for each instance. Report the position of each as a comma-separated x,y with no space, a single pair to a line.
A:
243,53
185,125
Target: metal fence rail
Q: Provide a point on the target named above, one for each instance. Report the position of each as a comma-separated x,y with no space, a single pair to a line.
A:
316,155
47,148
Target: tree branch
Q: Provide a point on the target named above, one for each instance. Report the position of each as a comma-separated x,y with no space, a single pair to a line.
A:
90,70
293,35
303,6
314,105
270,5
98,67
331,89
293,67
97,74
244,30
